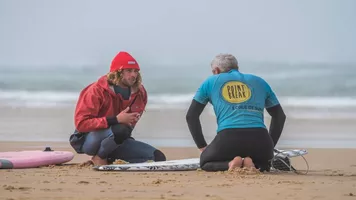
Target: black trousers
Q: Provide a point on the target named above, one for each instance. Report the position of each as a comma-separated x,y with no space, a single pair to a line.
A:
229,143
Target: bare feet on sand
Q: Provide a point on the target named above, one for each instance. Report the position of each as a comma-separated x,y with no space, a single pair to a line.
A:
235,163
248,163
86,164
97,161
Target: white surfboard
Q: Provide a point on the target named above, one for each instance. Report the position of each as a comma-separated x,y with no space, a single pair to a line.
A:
181,164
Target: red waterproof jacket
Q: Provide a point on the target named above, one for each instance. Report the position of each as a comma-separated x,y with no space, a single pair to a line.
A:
98,101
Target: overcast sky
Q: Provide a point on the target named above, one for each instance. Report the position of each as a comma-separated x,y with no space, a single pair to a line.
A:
48,32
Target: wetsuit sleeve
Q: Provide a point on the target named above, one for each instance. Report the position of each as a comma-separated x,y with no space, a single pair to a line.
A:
277,122
87,111
201,98
274,108
194,125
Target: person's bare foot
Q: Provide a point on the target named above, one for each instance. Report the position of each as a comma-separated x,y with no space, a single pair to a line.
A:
235,163
248,163
86,163
97,161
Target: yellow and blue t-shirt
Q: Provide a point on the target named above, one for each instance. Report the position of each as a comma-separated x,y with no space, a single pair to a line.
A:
238,99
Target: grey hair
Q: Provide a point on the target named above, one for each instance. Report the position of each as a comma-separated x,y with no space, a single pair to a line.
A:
225,62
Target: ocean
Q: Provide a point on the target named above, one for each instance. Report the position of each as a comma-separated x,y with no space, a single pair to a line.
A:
317,98
307,90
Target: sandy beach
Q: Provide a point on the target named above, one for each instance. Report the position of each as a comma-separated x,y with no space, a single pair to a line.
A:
332,175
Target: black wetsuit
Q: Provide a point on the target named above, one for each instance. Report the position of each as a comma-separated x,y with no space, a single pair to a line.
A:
256,143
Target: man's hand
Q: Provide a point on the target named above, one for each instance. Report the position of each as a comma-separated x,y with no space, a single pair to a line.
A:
127,118
137,117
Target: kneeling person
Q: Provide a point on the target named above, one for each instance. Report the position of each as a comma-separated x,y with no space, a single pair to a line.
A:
239,101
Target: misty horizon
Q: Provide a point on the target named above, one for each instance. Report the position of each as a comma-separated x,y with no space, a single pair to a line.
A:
65,33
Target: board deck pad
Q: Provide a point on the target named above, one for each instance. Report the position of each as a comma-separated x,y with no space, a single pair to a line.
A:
31,159
181,164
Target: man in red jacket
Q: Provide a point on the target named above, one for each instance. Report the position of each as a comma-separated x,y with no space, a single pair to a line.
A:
106,113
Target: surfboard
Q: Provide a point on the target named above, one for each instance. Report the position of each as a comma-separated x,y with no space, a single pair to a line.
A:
181,164
32,159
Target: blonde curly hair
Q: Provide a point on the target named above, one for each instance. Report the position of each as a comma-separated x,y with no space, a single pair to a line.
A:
114,78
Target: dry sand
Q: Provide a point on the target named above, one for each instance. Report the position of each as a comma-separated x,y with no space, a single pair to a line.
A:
332,175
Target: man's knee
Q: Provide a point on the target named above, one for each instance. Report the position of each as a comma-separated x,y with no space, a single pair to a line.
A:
121,132
91,147
214,166
159,155
205,162
204,167
92,142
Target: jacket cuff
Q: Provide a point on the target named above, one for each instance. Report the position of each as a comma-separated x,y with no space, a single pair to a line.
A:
111,121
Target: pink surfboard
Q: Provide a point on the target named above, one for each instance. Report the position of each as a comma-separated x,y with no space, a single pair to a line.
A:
31,159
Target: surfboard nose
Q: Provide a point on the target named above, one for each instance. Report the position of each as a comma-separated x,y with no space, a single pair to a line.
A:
6,164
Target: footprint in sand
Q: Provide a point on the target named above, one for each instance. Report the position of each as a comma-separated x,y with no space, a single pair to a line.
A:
83,182
11,188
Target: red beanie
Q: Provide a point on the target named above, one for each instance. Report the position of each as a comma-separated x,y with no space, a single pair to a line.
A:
123,60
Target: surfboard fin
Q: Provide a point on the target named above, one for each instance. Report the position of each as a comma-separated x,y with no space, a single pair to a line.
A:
48,149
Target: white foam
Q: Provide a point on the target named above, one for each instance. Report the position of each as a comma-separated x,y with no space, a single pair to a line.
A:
306,73
38,96
322,115
170,98
318,102
161,101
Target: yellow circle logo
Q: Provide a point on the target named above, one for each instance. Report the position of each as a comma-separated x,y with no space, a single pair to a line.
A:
236,92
